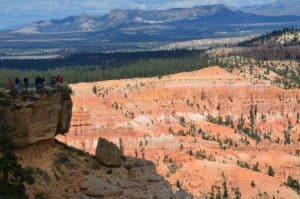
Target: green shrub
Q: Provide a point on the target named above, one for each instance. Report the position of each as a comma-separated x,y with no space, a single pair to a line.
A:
271,171
14,175
294,184
94,90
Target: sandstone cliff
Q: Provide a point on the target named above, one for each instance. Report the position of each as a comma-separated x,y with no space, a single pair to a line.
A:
31,117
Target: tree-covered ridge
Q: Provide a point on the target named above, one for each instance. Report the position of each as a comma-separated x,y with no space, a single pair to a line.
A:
280,72
113,66
284,37
101,60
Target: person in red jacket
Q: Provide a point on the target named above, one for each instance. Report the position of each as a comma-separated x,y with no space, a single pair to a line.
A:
10,85
61,79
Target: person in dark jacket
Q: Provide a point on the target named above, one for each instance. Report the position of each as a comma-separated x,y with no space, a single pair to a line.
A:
53,81
17,84
38,83
26,83
42,81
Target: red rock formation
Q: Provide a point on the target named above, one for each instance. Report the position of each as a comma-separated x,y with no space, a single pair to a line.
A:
170,121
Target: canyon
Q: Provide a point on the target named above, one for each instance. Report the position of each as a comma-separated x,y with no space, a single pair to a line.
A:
208,132
31,119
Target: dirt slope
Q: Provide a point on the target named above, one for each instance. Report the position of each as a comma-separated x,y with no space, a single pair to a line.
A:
62,172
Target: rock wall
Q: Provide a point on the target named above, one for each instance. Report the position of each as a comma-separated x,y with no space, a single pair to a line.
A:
31,117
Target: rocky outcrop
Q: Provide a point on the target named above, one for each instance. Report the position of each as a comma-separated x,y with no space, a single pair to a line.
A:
31,117
108,154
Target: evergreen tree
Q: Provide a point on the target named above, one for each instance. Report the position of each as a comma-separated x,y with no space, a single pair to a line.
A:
14,176
271,171
225,190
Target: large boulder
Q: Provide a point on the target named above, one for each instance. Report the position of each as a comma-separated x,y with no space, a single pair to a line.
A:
108,153
31,117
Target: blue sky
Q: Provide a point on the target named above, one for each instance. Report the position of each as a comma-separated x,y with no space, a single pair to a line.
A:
16,12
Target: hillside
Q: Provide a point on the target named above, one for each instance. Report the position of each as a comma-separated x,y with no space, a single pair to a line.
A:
276,8
209,131
63,172
273,57
284,37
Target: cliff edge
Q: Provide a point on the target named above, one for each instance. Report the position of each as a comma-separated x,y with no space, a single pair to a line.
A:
30,117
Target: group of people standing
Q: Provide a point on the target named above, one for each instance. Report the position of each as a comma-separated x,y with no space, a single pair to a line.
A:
17,84
39,83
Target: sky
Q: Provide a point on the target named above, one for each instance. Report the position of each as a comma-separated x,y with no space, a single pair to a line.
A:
17,12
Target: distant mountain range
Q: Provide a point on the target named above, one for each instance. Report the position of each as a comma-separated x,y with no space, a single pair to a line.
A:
122,19
276,8
125,18
138,29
